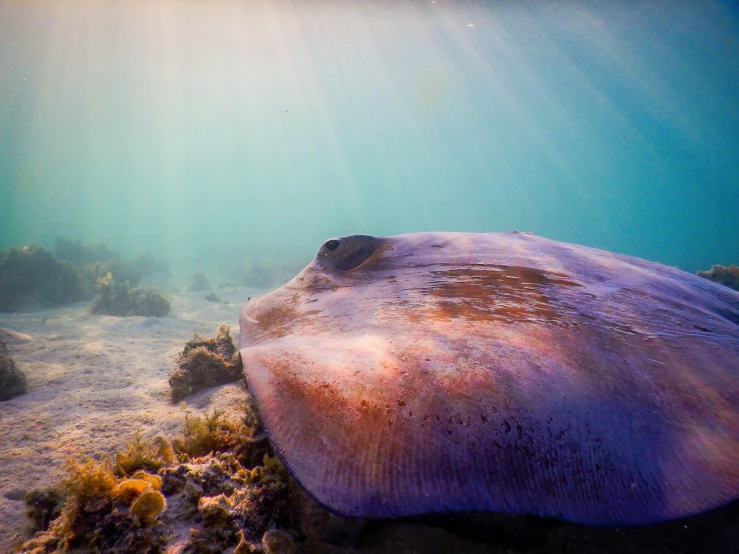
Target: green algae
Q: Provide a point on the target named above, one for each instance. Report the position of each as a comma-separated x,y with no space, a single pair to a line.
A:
12,380
122,300
727,276
143,454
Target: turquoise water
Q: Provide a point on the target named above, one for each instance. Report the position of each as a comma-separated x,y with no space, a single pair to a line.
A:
225,132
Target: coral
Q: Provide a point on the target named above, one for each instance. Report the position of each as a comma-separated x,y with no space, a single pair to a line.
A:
199,283
149,505
205,363
12,380
122,300
32,275
727,276
230,505
130,489
221,526
154,480
100,514
269,500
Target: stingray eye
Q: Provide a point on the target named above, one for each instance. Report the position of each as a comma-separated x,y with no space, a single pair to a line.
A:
348,252
332,244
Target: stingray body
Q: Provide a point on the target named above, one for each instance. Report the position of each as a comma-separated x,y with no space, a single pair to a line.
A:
447,372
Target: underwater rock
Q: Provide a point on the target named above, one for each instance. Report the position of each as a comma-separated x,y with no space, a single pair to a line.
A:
42,506
205,363
12,380
122,300
32,275
727,276
277,542
213,297
200,282
10,337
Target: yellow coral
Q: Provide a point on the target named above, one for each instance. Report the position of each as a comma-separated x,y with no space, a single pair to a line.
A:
130,489
154,480
149,505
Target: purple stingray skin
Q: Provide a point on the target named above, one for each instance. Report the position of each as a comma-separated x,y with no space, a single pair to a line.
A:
446,372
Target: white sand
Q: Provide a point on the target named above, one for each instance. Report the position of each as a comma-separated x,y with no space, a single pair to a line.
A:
93,382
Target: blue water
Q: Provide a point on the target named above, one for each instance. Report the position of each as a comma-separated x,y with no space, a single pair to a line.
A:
224,132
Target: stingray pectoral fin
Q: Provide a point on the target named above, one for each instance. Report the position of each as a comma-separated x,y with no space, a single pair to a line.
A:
367,437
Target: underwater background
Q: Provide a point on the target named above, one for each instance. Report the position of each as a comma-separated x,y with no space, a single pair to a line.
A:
163,161
217,133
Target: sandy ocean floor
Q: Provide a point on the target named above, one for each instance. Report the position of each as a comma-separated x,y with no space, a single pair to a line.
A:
93,382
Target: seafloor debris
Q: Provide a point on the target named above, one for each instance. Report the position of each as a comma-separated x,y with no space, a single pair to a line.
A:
199,282
727,276
12,380
122,300
205,363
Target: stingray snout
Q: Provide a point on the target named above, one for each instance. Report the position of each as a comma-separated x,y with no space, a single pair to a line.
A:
244,315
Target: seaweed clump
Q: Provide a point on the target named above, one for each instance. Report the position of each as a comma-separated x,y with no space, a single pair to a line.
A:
205,478
205,363
32,275
203,435
123,300
95,516
98,260
727,276
12,380
148,455
42,507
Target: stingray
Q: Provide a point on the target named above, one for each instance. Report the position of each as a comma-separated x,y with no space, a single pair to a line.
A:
453,372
